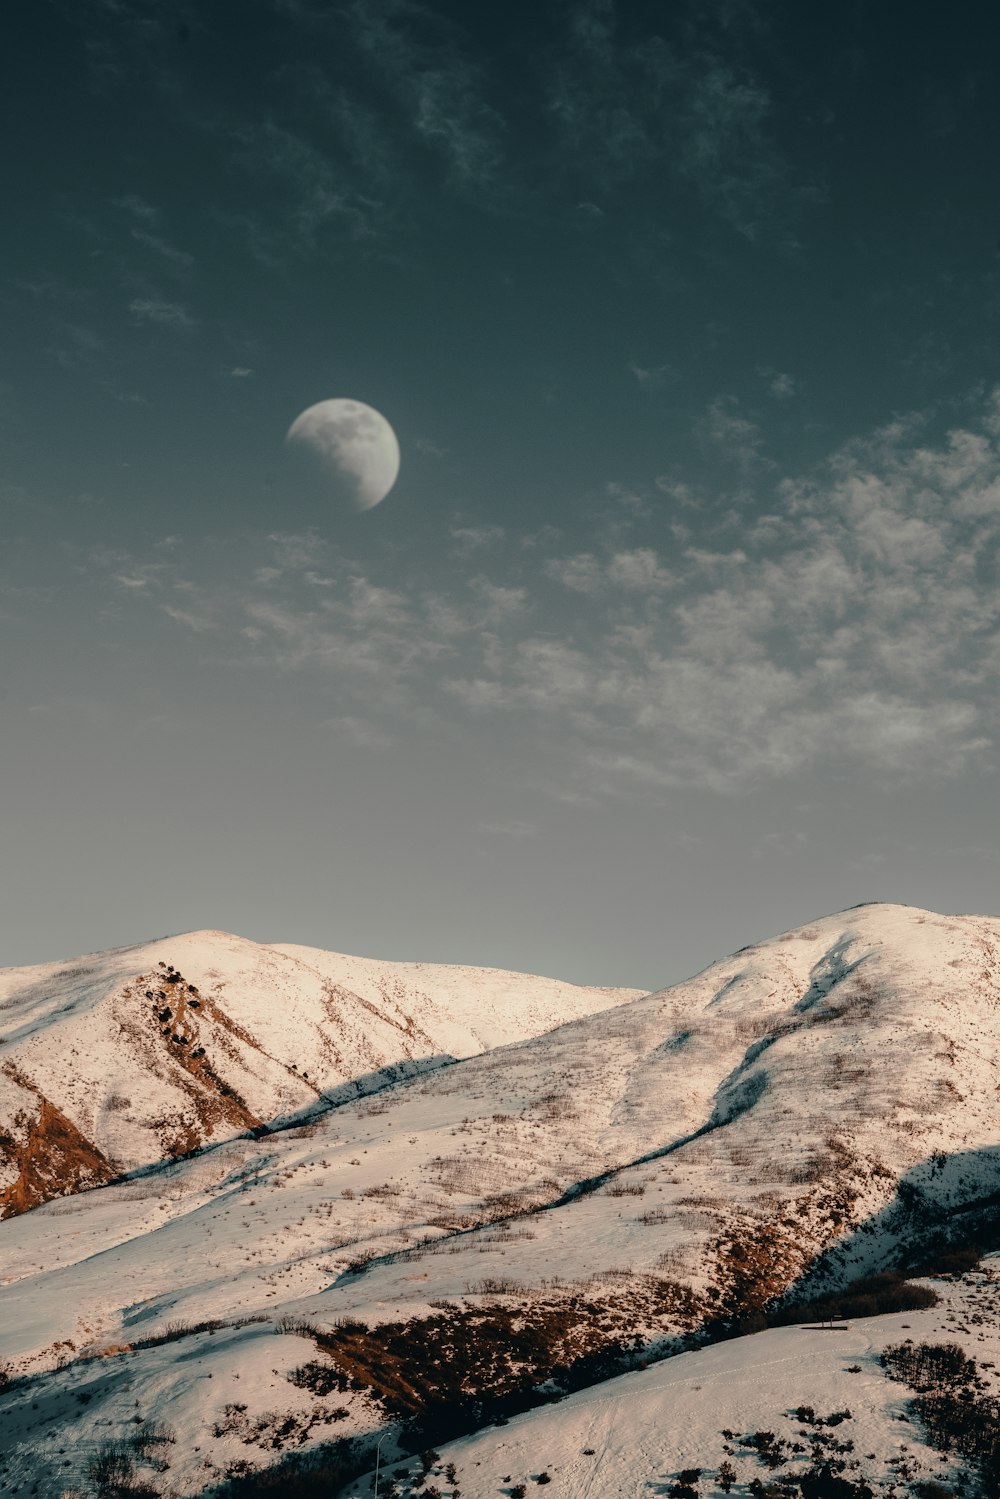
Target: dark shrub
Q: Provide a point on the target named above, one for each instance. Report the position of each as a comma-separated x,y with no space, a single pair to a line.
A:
870,1296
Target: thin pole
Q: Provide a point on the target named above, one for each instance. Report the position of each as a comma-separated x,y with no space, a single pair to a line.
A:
378,1458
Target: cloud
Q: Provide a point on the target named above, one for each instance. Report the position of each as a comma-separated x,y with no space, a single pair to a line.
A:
437,85
144,231
320,200
199,618
727,154
734,436
682,99
130,42
637,570
470,539
360,732
781,386
128,573
602,93
607,100
164,314
652,379
858,629
304,609
855,628
496,602
79,347
399,105
581,573
179,260
138,208
52,289
514,828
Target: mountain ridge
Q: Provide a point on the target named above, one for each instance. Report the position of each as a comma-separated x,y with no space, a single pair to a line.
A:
248,1033
540,1215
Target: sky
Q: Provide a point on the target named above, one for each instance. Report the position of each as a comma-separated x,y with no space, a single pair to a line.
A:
680,625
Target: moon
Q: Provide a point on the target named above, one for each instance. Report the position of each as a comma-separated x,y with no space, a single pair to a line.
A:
354,441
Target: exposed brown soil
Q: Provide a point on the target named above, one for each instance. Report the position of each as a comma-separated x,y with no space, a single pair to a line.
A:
165,1016
51,1157
497,1354
173,1016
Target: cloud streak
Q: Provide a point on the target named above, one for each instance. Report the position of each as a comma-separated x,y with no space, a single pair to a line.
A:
162,313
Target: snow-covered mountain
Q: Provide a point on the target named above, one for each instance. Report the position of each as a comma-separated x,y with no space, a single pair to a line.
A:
532,1218
129,1057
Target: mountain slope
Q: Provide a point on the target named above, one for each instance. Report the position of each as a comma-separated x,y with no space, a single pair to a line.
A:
635,1435
146,1053
815,1107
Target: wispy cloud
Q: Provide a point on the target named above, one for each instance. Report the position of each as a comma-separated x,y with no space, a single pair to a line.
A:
654,377
682,98
77,346
727,153
397,115
178,260
360,732
133,204
304,609
732,434
437,83
636,571
604,93
321,202
164,314
780,385
128,40
468,540
610,102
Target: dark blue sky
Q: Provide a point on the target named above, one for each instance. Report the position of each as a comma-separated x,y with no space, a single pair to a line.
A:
680,624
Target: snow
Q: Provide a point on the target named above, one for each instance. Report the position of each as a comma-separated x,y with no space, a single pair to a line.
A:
787,1091
626,1437
281,1027
630,1436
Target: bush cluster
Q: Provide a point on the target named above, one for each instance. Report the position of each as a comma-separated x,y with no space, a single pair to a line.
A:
869,1296
951,1404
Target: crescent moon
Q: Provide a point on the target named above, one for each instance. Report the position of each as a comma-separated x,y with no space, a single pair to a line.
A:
353,440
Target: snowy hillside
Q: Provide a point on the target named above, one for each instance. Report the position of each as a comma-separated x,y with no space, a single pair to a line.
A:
144,1053
534,1218
636,1435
